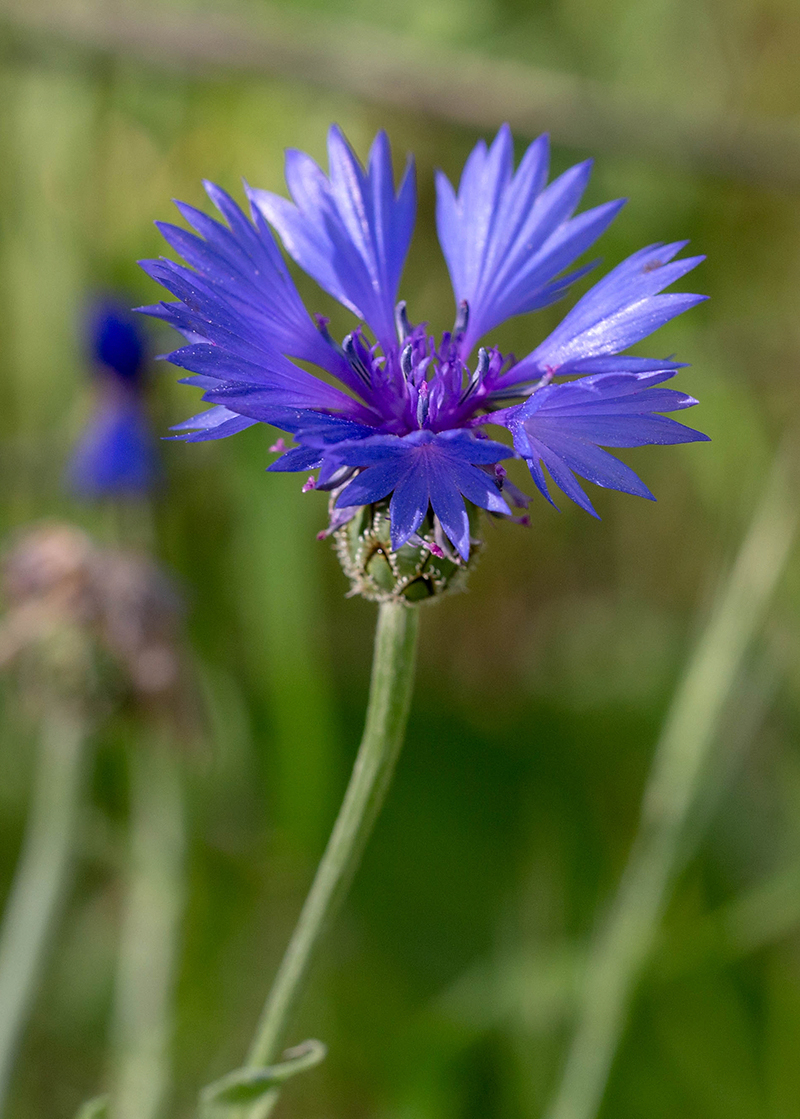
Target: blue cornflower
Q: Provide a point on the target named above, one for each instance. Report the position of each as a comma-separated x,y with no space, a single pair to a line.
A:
115,455
406,422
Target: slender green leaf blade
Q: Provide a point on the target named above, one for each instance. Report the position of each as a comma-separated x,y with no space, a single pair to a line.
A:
246,1085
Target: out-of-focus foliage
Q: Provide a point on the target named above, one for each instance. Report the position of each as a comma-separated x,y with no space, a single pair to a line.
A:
446,987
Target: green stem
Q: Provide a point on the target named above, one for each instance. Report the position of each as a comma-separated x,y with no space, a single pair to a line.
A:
41,877
625,940
150,930
387,715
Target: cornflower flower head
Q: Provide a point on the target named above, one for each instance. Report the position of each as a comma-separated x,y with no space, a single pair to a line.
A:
115,455
399,432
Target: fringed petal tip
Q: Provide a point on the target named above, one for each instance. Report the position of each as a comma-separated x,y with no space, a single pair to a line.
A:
619,310
565,427
349,230
506,235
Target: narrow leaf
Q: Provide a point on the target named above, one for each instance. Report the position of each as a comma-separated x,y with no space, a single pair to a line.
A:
245,1085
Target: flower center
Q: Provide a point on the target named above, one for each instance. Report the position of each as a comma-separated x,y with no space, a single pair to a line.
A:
419,384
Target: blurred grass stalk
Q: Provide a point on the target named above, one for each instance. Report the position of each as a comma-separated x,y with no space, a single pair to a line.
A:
626,937
42,875
151,923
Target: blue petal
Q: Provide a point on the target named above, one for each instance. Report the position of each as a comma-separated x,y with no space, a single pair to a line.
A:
614,363
264,405
561,475
214,423
562,425
237,279
374,483
409,505
624,307
297,458
590,462
448,505
610,394
424,467
270,380
319,429
240,300
297,420
624,430
370,452
351,232
478,487
506,236
465,446
317,432
456,444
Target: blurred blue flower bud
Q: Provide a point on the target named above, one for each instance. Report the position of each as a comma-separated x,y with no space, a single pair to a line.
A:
116,340
116,453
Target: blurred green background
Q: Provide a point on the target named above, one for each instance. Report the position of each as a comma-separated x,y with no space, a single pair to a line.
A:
444,991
